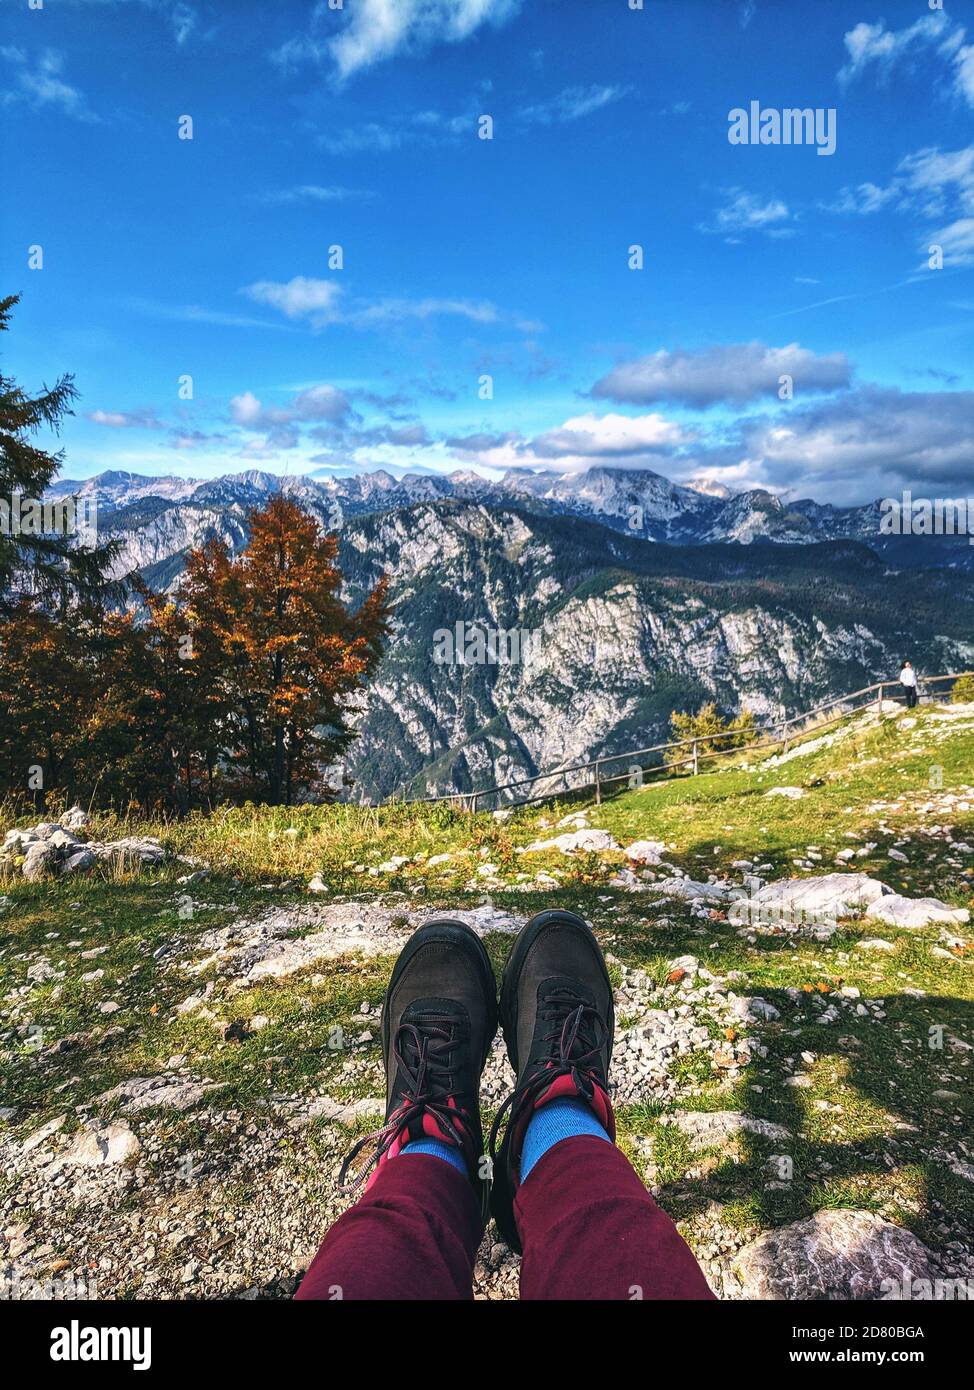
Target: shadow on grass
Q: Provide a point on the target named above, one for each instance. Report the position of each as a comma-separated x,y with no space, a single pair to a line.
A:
885,1075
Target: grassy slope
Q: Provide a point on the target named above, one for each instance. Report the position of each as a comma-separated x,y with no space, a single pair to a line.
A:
880,1144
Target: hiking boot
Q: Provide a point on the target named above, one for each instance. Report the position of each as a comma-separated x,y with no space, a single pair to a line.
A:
557,1014
439,1018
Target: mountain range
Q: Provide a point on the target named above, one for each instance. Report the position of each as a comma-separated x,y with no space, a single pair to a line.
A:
637,501
639,596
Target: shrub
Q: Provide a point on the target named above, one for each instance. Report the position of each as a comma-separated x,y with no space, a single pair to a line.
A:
963,691
714,733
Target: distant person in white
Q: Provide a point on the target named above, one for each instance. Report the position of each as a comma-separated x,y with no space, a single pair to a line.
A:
908,680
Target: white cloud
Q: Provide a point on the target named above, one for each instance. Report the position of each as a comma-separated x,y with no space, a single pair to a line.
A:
871,45
319,303
932,177
314,193
40,84
745,212
358,139
379,29
874,46
865,198
736,373
386,311
964,75
183,18
594,435
246,410
315,403
581,442
571,104
933,183
125,419
929,181
196,313
425,127
299,298
868,441
956,241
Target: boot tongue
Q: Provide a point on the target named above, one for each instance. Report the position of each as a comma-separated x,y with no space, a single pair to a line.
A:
555,984
432,1013
434,1021
565,1086
425,1014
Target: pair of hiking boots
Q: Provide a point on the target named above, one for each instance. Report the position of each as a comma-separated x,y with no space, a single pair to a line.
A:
439,1019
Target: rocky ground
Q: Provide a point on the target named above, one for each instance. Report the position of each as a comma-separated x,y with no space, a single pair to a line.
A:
189,1053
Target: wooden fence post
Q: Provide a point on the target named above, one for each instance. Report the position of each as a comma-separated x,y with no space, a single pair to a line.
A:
696,760
598,784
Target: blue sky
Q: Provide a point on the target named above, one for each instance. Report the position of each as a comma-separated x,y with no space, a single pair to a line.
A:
359,127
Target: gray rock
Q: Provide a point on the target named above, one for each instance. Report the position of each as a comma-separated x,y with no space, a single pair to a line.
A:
268,947
19,839
590,841
646,851
83,858
796,900
41,1136
708,1127
97,1146
38,860
135,850
344,1112
690,889
832,1255
63,839
145,1092
755,1008
898,911
196,877
45,830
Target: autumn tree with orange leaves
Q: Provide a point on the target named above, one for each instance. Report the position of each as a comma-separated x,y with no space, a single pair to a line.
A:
235,686
284,651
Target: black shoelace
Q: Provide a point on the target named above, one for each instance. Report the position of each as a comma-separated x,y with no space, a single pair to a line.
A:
424,1056
574,1040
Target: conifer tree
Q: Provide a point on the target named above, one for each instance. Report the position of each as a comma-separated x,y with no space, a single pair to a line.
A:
53,565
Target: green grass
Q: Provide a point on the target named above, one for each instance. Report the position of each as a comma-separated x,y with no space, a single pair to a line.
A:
881,1075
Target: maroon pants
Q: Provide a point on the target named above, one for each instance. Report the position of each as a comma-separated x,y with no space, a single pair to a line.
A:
589,1229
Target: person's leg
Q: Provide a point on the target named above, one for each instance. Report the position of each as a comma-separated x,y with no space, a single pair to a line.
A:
563,1193
414,1234
590,1230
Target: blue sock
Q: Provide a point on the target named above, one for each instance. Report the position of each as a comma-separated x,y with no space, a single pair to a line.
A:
559,1119
438,1149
